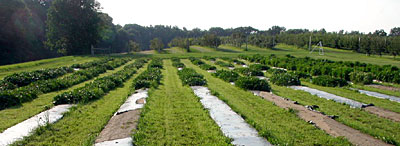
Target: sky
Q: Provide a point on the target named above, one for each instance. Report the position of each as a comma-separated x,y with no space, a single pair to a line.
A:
333,15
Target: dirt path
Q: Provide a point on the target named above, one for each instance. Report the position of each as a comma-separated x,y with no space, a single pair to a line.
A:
325,123
384,87
120,126
383,113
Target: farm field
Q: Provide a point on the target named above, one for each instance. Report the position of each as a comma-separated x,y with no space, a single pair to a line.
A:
173,114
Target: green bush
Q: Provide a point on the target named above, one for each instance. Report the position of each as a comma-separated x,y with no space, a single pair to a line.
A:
285,79
259,67
209,58
252,83
229,76
238,62
176,62
150,78
156,63
249,71
329,81
207,67
190,77
363,78
276,71
224,64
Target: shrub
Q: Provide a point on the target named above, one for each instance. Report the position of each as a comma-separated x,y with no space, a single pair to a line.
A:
176,62
156,63
276,71
249,71
190,77
329,81
238,62
252,83
229,76
207,67
209,58
224,64
259,67
285,79
147,79
361,77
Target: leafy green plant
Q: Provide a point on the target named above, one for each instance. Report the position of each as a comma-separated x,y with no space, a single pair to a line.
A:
190,77
207,67
226,75
252,83
328,81
259,67
224,64
285,79
249,71
361,77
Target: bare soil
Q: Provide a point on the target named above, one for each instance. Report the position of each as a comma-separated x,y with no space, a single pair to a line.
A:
383,113
140,101
120,126
384,87
325,123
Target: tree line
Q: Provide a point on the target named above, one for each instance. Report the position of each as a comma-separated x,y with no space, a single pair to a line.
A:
37,29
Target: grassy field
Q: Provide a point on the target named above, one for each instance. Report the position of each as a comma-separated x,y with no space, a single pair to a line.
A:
277,125
354,95
173,115
14,115
82,124
383,129
45,63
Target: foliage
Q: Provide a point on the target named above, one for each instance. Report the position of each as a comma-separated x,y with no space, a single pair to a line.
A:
196,61
224,64
207,67
259,67
190,77
176,62
133,46
97,88
226,75
73,26
181,43
252,83
156,44
150,78
249,71
211,40
361,77
209,58
285,79
328,81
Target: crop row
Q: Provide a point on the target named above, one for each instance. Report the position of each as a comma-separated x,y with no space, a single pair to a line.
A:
151,77
20,95
350,71
245,82
98,87
25,78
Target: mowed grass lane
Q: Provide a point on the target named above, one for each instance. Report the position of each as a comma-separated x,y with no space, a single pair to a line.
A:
43,64
173,115
355,95
83,123
12,116
368,123
277,125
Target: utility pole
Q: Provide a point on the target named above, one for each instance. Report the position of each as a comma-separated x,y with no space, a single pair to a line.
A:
309,44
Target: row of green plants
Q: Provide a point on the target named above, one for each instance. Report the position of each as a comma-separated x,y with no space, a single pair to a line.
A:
247,71
20,95
176,62
190,77
92,63
245,82
360,73
99,87
209,58
202,64
150,78
224,64
25,78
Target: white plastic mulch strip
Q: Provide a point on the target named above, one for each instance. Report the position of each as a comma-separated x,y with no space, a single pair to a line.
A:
130,104
118,142
231,68
24,128
231,124
329,96
380,95
261,77
211,71
279,68
245,66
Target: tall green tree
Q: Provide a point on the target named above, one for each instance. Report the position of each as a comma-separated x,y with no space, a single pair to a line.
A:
73,26
133,46
157,44
211,40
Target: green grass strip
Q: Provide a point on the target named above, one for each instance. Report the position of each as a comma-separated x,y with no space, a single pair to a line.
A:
173,115
83,123
368,123
12,116
355,95
277,125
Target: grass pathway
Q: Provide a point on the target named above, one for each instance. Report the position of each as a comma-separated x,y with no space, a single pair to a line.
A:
11,116
277,125
83,123
173,115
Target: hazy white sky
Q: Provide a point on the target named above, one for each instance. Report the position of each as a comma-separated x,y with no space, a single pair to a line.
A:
333,15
